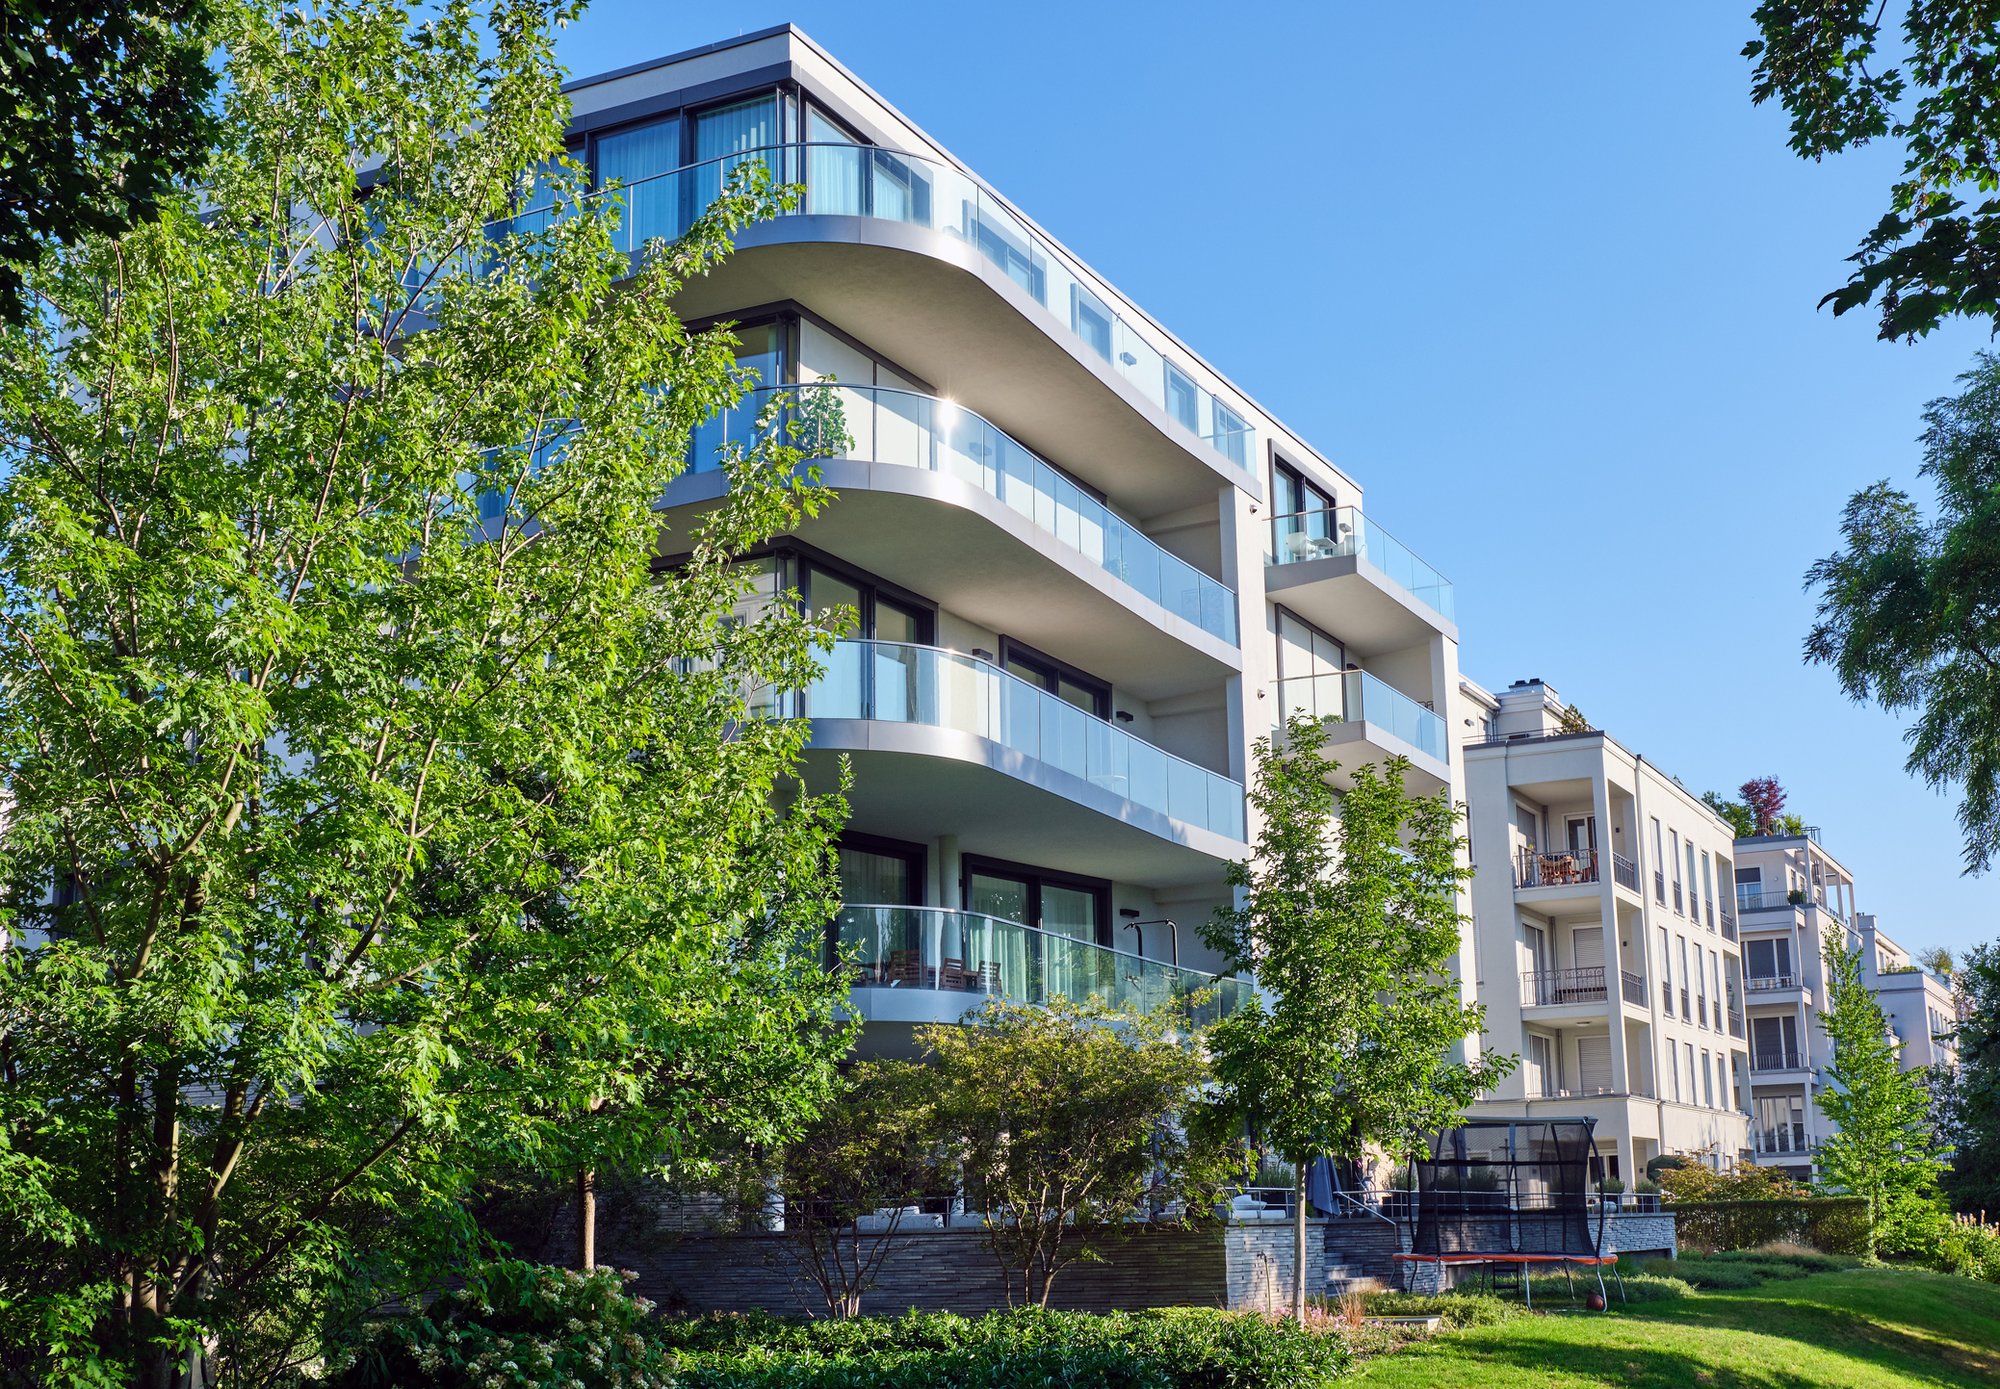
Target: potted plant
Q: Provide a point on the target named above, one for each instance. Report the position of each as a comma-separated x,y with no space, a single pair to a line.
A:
1797,897
1612,1189
1646,1187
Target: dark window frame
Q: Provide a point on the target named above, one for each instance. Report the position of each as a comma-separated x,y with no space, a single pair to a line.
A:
1013,649
1035,877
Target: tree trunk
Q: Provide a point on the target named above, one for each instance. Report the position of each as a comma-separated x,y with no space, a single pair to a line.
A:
586,1219
1299,1246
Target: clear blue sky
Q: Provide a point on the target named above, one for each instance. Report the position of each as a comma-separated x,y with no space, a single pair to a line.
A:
1541,278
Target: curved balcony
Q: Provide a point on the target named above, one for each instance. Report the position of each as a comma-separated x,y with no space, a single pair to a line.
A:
1369,722
1339,569
913,256
934,964
907,429
978,751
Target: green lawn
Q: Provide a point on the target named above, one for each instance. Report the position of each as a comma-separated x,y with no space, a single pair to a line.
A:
1865,1327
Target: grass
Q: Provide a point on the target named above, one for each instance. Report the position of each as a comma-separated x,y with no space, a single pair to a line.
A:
1863,1327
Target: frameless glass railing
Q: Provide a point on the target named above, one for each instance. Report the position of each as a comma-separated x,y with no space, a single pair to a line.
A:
957,952
894,682
1343,530
909,429
1354,695
866,181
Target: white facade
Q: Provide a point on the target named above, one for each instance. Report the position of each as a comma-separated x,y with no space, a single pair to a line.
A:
1606,950
1089,570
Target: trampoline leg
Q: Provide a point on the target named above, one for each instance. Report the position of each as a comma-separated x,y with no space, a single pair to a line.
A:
1527,1288
1569,1276
1618,1278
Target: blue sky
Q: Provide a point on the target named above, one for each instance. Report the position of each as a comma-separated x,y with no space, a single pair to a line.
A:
1541,278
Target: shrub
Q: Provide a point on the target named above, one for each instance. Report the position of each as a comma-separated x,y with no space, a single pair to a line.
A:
1710,1275
515,1325
1924,1233
1173,1349
1830,1224
1457,1308
1655,1287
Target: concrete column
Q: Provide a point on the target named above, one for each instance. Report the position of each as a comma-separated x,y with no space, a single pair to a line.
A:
946,864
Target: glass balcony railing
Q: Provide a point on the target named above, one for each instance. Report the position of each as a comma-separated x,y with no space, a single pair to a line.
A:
866,181
1354,695
898,683
977,956
909,429
1343,530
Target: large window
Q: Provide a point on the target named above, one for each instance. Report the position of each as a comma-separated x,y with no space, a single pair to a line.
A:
1768,959
1309,666
762,350
643,158
880,872
1065,682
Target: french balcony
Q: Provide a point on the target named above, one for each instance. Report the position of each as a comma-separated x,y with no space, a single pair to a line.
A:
1766,1062
953,253
1368,721
1341,570
933,964
1625,872
934,497
947,743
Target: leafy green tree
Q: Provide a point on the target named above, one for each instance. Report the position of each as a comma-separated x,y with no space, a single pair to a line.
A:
1970,1097
378,818
1735,814
1884,1145
1348,914
876,1145
108,105
1067,1121
1909,609
1928,86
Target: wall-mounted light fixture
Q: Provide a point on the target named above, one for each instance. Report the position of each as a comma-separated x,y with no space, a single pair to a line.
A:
1122,716
980,653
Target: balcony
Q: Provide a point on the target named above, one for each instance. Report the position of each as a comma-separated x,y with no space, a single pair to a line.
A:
1771,983
953,252
932,964
1632,987
1788,1140
1343,533
1554,867
1369,722
1550,988
1767,1061
1728,924
974,748
903,432
1735,1023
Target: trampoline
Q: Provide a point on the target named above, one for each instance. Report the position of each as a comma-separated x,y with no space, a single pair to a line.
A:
1494,1192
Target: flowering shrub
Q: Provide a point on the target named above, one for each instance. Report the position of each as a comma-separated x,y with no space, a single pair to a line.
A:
516,1325
1922,1232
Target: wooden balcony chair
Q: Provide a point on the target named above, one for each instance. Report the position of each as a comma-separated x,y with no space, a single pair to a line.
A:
951,974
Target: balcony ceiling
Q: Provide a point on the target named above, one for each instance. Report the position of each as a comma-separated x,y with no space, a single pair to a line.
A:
1368,611
940,309
917,783
979,559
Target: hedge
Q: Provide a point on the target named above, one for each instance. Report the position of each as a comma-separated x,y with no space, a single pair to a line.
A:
1181,1348
1830,1224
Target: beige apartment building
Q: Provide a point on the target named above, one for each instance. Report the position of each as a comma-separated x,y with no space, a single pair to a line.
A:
1606,943
1791,893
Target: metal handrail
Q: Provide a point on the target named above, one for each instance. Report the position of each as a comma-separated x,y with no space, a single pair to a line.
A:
1556,986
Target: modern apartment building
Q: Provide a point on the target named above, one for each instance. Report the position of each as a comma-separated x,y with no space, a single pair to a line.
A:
1790,894
1088,569
1607,948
